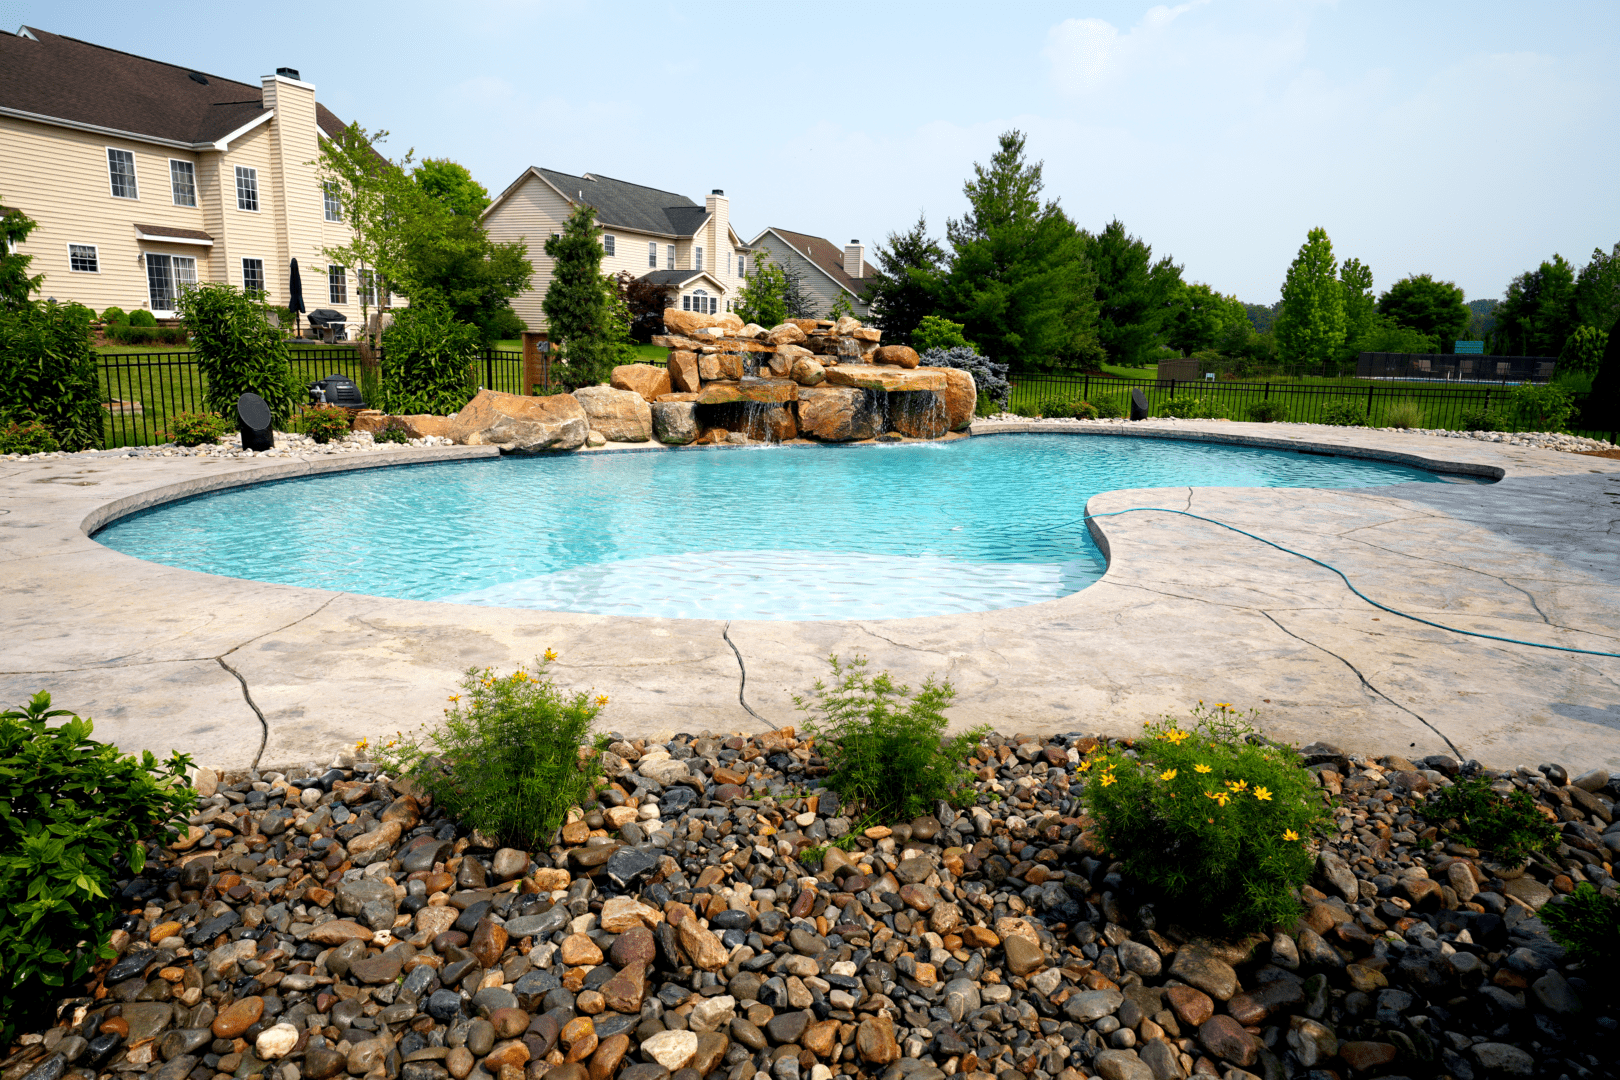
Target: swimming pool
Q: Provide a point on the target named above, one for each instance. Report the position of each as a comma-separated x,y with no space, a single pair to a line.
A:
815,532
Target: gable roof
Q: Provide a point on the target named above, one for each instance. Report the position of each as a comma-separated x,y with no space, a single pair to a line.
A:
620,204
45,76
826,257
679,278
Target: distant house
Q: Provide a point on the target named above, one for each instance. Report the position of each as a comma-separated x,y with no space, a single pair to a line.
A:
827,270
146,176
657,236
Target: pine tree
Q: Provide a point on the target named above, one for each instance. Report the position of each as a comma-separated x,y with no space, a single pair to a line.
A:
576,304
908,288
1310,327
1136,297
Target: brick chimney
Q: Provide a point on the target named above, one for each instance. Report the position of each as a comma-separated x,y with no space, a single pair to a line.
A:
854,258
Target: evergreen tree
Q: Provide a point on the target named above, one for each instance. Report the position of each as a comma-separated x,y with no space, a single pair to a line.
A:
1310,326
577,307
1136,297
1019,279
907,291
15,284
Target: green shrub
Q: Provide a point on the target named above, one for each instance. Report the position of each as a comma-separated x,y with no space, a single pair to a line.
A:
142,317
1079,410
324,424
1345,412
1547,407
130,334
115,316
886,749
1186,408
1109,408
195,429
1213,817
74,815
238,351
427,362
1511,829
392,432
1404,414
1480,419
1268,411
934,332
48,372
1587,924
28,437
503,325
514,754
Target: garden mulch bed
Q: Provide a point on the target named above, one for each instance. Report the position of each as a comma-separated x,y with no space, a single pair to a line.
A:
326,922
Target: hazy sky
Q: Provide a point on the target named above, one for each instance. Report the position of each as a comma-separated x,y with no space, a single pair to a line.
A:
1469,140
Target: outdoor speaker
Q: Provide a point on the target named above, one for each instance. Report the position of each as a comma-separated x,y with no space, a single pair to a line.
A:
253,421
1139,405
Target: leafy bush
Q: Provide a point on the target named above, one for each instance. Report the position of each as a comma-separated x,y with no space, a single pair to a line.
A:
1345,412
1268,411
74,815
1186,408
504,325
1480,419
142,317
934,332
1079,410
514,754
427,362
885,749
1587,923
1110,408
1583,351
1510,828
1547,407
392,432
1404,414
48,372
131,334
115,316
28,437
324,425
195,429
1214,817
989,377
238,351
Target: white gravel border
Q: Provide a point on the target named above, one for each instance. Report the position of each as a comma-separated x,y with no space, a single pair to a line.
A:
287,445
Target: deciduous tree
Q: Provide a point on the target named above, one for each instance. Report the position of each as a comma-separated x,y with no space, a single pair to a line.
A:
763,299
1433,308
1200,318
1538,313
1597,290
1360,305
15,284
450,184
1310,326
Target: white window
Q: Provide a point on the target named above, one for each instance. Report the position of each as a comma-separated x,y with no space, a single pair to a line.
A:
166,275
697,258
607,243
334,201
247,188
701,302
337,285
84,258
121,173
252,274
742,266
367,288
183,182
669,255
652,254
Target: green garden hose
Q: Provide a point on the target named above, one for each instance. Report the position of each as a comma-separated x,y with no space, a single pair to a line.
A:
1348,584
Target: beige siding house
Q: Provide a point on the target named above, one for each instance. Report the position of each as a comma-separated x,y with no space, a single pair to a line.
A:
826,270
145,176
656,235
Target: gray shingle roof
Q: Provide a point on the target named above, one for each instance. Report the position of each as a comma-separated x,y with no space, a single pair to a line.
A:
676,277
631,206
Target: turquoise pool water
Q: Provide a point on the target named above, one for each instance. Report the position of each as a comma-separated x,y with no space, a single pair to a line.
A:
817,532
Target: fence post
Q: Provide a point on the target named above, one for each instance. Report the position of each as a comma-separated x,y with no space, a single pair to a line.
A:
1369,402
1085,387
1267,395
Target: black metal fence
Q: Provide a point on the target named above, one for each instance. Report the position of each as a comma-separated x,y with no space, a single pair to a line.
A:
141,391
1435,407
1456,367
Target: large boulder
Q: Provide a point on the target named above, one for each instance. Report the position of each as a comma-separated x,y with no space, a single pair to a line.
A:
674,422
713,366
961,398
899,355
616,415
516,424
807,371
886,377
847,325
773,423
838,413
690,322
785,334
421,425
683,372
644,379
752,330
770,391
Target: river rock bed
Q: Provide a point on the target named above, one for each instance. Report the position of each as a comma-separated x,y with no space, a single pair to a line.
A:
322,922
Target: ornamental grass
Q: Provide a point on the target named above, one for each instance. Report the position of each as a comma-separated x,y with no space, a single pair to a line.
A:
1212,816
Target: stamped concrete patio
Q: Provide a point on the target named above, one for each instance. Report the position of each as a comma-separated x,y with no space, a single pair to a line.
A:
238,672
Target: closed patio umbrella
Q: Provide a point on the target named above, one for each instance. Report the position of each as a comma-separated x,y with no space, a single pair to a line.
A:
295,296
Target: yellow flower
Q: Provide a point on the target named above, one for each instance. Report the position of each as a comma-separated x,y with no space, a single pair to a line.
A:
1168,774
1177,737
1220,797
1201,768
1290,834
1238,785
551,654
601,700
362,744
1085,763
455,697
1106,779
1263,794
